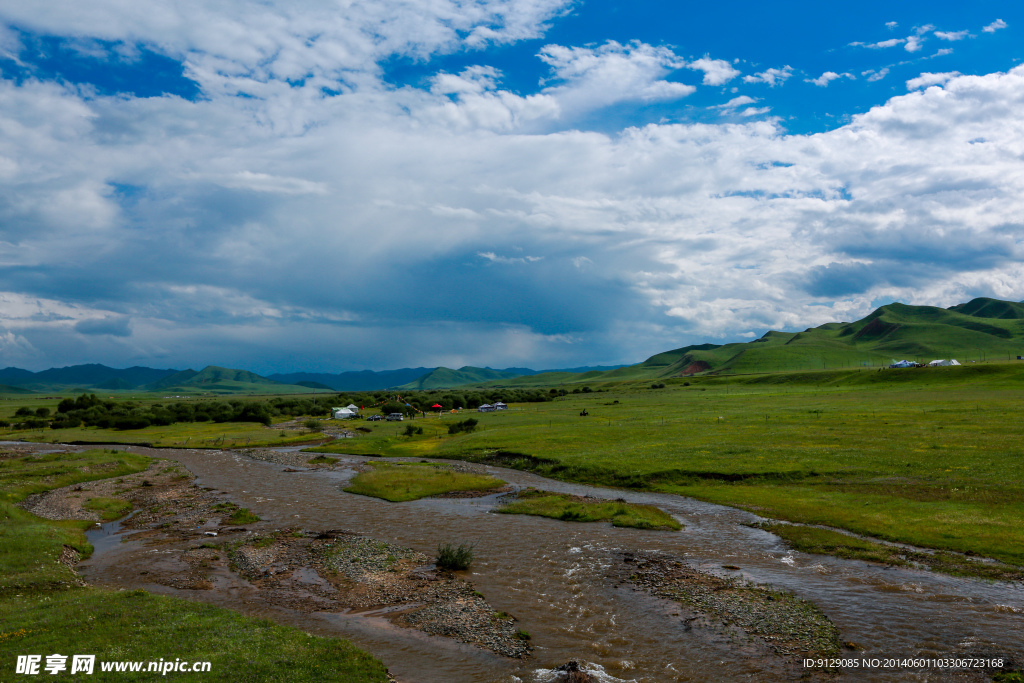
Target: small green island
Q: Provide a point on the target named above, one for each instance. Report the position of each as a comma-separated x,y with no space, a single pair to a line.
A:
401,482
571,508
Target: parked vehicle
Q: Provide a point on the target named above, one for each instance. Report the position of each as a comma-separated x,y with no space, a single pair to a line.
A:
395,417
375,418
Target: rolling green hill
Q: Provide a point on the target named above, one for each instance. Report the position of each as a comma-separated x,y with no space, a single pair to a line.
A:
982,329
6,389
443,378
223,381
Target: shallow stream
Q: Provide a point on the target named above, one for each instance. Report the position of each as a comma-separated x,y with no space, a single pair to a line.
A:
554,577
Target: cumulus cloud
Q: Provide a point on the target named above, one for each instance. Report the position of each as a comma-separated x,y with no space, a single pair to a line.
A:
824,79
737,101
952,35
595,77
716,71
994,26
771,76
928,79
344,221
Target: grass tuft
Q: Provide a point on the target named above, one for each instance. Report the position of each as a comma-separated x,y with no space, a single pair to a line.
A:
454,558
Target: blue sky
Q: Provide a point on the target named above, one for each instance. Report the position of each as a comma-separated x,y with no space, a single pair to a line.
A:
493,182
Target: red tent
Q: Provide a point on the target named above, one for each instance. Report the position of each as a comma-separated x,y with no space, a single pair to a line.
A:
437,405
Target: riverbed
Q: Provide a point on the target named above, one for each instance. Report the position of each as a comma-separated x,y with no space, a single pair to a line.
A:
564,584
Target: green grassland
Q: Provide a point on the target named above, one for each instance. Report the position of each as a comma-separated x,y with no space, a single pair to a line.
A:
43,610
570,508
29,545
930,456
411,481
180,434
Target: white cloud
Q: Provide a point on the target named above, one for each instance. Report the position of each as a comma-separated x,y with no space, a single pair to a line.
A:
891,24
873,75
994,26
738,101
375,226
928,79
716,71
914,43
495,258
952,35
771,76
891,42
824,79
264,182
597,77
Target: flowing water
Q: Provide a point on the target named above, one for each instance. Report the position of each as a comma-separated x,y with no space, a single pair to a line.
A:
553,577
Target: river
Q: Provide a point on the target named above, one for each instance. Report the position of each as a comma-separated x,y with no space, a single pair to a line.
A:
553,577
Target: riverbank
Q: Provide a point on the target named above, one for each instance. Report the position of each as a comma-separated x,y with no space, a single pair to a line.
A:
45,606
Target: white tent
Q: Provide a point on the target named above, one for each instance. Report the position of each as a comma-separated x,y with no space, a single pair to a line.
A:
902,364
500,406
486,408
353,408
342,413
943,363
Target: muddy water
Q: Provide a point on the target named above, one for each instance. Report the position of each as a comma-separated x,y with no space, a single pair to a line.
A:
553,576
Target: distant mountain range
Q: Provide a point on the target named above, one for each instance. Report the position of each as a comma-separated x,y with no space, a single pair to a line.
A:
445,378
220,380
363,380
978,330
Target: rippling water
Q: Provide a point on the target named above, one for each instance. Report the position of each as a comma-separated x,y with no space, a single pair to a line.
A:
553,577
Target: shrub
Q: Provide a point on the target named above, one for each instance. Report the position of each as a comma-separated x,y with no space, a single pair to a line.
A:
464,426
454,558
24,412
43,412
131,423
313,425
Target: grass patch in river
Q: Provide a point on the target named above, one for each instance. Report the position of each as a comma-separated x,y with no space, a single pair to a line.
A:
827,542
570,508
108,508
323,460
411,481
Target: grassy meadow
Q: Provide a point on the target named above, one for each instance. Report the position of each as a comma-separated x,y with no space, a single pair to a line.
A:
44,610
932,457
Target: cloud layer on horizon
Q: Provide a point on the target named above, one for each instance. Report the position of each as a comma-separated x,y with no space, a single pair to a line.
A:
302,212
